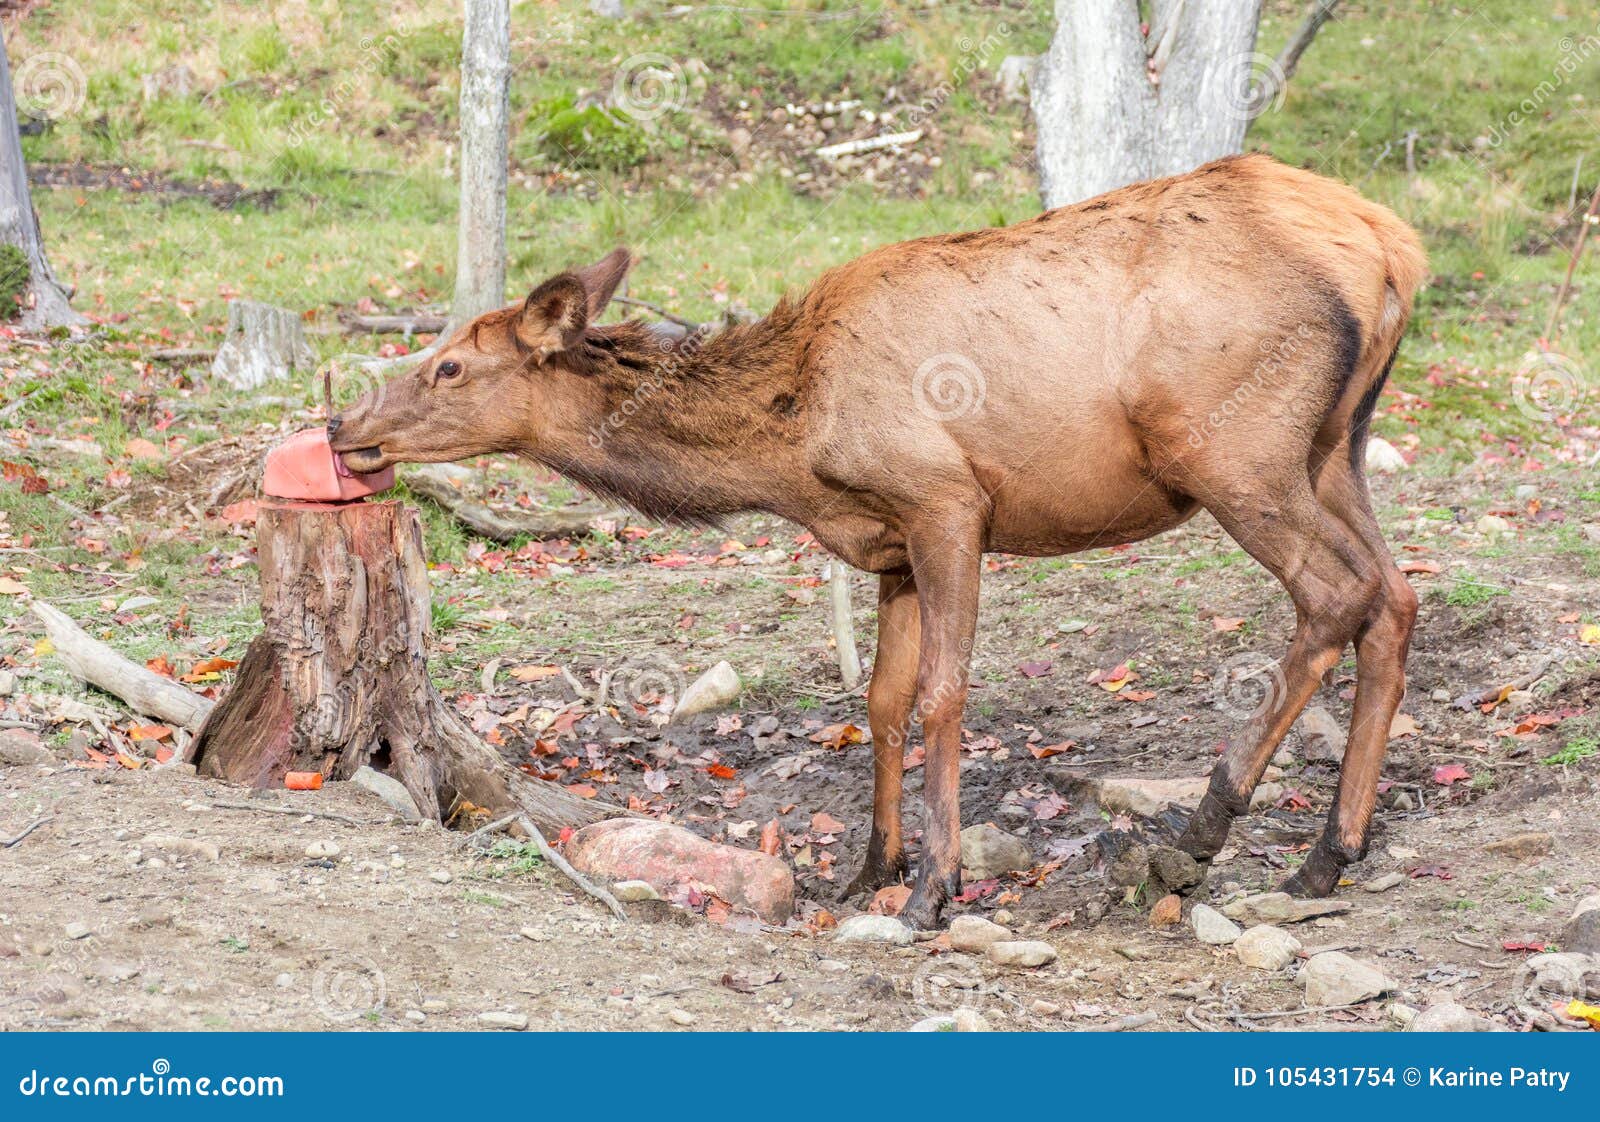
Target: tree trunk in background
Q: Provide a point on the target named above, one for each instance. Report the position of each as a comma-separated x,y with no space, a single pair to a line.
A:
485,152
45,301
338,677
1115,106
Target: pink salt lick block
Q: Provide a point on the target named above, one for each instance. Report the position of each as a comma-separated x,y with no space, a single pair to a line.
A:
305,467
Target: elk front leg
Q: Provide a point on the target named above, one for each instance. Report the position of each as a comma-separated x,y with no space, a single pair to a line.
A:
947,573
889,698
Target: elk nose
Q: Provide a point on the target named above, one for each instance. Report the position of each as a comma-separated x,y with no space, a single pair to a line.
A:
333,425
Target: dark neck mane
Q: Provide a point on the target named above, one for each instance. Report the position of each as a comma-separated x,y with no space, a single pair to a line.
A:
691,429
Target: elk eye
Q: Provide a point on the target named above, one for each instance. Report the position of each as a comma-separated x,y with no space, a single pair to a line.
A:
448,370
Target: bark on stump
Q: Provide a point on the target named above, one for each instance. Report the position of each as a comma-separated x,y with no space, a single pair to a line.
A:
338,676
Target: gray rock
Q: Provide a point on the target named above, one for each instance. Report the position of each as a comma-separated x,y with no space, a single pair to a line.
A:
390,790
1383,458
1403,801
1174,868
197,848
1564,973
1129,868
322,849
1322,735
974,934
1581,935
874,929
712,690
962,1020
1447,1016
1384,883
988,851
516,1022
22,747
1265,947
1280,907
1212,927
1522,846
8,683
681,1017
135,603
1016,75
441,876
1021,952
77,929
1587,904
1334,978
634,891
1133,794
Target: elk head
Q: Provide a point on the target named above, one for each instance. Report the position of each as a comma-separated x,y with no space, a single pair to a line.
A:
492,386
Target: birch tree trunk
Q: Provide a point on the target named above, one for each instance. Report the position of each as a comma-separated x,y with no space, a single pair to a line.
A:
1115,105
485,152
45,301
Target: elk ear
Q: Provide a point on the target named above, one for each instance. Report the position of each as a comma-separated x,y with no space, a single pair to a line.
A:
553,316
602,279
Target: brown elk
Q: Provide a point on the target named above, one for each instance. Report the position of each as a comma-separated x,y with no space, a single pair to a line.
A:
1089,377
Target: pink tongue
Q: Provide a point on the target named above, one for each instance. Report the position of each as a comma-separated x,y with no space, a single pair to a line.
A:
339,469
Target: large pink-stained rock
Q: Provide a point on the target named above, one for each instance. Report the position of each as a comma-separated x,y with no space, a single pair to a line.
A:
667,856
304,467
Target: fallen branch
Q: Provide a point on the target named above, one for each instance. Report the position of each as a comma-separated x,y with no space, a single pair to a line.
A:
415,323
143,690
328,814
431,483
1283,67
869,144
181,356
670,317
1125,1024
7,843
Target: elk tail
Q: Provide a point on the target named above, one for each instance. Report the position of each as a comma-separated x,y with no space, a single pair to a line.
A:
1405,267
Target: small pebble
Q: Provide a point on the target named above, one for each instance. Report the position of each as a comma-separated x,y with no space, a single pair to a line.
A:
441,876
681,1017
498,1020
322,849
78,930
416,1015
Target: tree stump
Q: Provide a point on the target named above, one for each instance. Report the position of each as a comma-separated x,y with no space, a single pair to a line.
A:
263,343
338,676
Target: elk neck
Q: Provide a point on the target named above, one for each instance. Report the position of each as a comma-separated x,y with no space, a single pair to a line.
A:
688,430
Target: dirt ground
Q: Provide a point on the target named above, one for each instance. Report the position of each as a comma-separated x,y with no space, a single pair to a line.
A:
106,922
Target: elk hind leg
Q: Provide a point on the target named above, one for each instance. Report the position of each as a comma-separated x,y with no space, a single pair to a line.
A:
1332,584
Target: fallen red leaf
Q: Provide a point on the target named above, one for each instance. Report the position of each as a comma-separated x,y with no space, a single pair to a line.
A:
1446,774
771,838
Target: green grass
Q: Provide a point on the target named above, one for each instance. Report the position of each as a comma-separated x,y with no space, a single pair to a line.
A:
1575,751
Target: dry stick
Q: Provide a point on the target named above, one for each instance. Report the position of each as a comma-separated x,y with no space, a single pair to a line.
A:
549,855
328,814
7,843
632,302
844,630
573,875
1124,1024
1591,217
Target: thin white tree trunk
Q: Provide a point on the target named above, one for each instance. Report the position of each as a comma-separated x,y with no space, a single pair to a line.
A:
1115,106
485,147
844,627
45,303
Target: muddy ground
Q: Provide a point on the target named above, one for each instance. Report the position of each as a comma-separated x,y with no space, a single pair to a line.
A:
107,923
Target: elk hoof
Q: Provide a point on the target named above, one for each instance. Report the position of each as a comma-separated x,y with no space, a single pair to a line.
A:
1311,881
876,872
923,912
